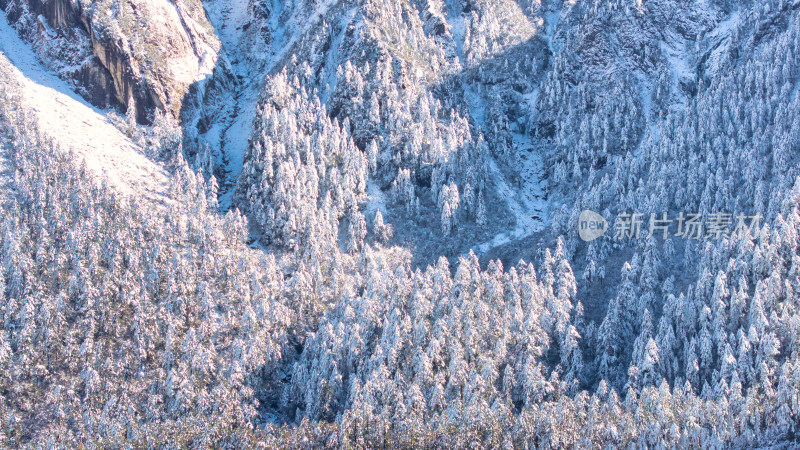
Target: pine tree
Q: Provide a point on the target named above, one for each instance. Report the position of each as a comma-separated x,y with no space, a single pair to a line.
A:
381,231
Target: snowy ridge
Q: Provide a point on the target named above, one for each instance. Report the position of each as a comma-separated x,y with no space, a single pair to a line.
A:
74,125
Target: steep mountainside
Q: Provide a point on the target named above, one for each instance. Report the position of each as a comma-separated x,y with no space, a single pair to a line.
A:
400,223
142,55
73,126
399,81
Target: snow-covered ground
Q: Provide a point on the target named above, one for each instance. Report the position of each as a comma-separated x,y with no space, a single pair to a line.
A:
525,199
198,62
377,200
5,176
717,41
75,125
455,19
680,60
527,202
231,20
235,25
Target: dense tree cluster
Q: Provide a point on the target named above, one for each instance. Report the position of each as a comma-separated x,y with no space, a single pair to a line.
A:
115,316
125,323
302,172
383,78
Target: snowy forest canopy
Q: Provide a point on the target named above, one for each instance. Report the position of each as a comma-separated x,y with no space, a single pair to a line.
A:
365,232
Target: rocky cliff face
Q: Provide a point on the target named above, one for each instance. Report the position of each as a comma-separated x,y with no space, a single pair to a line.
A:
140,56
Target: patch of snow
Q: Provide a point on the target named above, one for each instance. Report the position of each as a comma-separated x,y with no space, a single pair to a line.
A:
234,139
724,28
681,61
527,202
377,200
5,175
530,99
206,54
477,106
231,19
718,41
198,61
331,62
286,35
74,125
646,90
678,59
551,21
455,19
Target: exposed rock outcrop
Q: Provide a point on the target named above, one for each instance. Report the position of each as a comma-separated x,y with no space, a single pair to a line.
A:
141,56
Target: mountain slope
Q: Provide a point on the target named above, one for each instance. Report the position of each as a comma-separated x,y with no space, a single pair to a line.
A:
102,48
75,126
371,145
